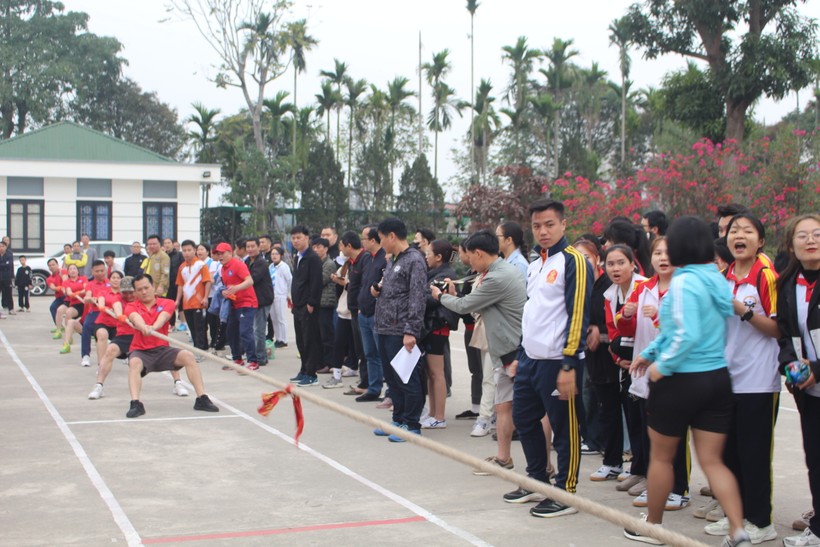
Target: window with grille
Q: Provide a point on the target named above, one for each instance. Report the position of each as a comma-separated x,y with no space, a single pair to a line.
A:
95,219
159,219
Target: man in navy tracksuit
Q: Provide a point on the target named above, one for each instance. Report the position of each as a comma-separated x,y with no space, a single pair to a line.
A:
554,326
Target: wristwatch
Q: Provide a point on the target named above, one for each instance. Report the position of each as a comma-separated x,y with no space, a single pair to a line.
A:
748,315
566,367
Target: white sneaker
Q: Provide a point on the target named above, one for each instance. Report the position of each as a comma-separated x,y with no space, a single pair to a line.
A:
636,536
719,528
96,393
333,383
424,420
676,502
807,538
642,500
759,535
432,423
179,389
349,372
624,475
86,361
606,473
703,510
481,428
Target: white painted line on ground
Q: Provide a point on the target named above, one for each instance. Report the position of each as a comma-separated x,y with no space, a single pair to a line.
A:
133,421
124,524
404,502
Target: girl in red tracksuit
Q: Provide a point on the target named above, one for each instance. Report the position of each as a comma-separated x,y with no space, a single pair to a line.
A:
620,267
638,319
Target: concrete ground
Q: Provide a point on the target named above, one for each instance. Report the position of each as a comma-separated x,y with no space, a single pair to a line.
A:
75,471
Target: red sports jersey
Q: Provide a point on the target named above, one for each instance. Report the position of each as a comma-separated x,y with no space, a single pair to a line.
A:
234,273
57,281
105,318
76,285
149,315
96,289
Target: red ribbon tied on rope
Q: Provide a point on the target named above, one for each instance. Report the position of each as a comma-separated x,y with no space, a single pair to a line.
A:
269,401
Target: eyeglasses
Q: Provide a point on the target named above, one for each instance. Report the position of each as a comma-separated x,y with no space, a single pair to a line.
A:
803,237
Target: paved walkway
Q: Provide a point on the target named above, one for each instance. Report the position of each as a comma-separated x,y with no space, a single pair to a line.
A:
74,471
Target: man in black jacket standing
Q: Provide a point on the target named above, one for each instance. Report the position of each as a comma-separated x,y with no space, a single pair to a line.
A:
133,264
6,277
263,287
351,248
306,295
373,263
176,262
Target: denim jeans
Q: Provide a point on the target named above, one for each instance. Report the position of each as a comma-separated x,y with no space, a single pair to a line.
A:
88,332
260,325
53,308
240,333
370,347
408,399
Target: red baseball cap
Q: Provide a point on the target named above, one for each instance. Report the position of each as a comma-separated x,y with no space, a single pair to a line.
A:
224,248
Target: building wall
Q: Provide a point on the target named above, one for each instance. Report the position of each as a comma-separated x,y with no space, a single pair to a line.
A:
60,196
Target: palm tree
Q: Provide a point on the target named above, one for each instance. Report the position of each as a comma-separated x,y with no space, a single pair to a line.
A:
355,89
396,95
441,116
558,79
592,85
337,76
203,139
442,94
521,58
300,43
620,37
485,124
544,107
327,99
472,6
277,107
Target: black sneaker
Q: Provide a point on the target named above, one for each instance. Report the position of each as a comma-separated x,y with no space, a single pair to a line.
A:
137,409
551,508
515,436
522,495
368,397
636,536
204,403
467,415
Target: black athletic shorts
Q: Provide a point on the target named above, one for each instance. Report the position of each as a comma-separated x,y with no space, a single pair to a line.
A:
112,331
123,342
79,308
701,400
434,344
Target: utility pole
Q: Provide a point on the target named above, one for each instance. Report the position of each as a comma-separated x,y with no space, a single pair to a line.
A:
421,115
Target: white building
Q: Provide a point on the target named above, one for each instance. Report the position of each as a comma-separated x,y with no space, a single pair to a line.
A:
65,180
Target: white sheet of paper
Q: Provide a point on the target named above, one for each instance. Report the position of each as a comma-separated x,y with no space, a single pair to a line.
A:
405,361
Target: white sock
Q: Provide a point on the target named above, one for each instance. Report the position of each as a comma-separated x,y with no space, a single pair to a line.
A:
337,373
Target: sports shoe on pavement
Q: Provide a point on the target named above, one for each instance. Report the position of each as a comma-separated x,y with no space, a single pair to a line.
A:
741,541
636,536
96,393
137,409
641,500
803,522
308,381
715,514
86,362
719,528
203,402
297,378
703,510
432,423
587,451
179,389
253,366
397,439
65,349
759,535
550,508
806,539
425,418
467,415
522,495
387,403
349,372
368,397
624,475
638,488
676,502
629,482
481,428
56,336
379,432
494,460
333,383
606,473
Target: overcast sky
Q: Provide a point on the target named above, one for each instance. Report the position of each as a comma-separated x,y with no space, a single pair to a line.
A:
378,39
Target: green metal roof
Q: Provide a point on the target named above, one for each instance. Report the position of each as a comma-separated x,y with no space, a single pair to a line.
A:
68,141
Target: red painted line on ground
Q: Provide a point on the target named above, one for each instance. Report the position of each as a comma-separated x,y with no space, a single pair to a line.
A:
277,531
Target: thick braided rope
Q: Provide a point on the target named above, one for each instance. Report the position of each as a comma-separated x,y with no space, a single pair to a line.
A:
583,504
